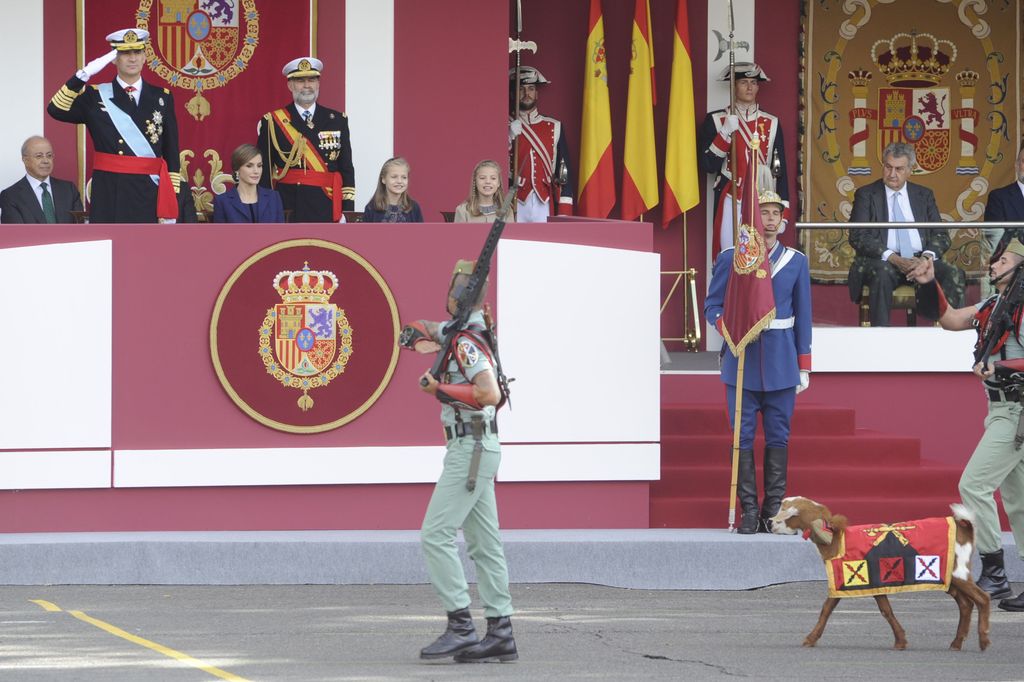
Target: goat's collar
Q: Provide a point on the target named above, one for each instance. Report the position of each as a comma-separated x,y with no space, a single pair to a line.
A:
820,533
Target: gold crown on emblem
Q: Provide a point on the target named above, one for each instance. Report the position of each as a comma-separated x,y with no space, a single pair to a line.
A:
304,65
131,37
305,285
913,59
967,78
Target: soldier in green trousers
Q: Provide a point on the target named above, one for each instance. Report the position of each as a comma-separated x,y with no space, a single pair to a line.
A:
470,394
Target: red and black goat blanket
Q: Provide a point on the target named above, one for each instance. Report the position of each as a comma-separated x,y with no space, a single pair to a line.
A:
893,557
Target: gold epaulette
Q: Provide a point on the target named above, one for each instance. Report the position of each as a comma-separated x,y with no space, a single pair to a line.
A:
348,193
64,98
176,181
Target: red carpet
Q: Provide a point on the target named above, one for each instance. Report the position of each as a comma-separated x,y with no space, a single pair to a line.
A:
866,475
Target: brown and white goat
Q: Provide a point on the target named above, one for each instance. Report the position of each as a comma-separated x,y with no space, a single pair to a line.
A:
827,532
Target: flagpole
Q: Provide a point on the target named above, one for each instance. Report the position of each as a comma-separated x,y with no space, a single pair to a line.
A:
737,414
732,111
752,197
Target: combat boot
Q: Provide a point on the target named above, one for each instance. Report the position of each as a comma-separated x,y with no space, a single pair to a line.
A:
459,636
746,490
498,646
993,576
775,463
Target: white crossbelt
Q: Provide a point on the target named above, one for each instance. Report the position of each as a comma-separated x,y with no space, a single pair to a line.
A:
784,323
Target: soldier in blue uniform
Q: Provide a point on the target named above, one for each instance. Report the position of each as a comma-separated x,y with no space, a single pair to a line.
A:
308,150
777,367
470,394
134,135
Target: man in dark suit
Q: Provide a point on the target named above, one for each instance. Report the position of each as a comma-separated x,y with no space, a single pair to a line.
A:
134,135
887,257
37,197
1006,204
307,150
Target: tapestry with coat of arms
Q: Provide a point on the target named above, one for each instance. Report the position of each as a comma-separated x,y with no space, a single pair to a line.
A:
942,75
221,60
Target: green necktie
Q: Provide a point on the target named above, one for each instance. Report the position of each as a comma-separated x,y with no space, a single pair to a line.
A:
48,212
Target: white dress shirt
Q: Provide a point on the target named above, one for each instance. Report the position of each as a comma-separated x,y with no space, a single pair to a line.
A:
892,241
37,187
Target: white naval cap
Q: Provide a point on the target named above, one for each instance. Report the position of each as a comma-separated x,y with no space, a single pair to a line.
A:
128,39
746,70
303,67
527,76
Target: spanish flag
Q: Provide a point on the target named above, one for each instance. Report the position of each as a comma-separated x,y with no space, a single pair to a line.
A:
640,178
597,172
681,193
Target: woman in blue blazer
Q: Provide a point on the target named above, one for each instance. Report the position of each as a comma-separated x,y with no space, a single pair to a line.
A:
247,202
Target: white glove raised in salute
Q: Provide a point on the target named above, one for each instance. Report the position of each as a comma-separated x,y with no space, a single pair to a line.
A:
95,66
730,124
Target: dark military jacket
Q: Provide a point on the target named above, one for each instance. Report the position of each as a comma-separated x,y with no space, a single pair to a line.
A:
329,136
122,197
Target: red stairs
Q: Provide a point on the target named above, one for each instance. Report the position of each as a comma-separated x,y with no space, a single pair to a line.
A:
866,475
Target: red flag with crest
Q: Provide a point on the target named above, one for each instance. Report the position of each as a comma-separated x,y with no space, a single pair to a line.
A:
749,300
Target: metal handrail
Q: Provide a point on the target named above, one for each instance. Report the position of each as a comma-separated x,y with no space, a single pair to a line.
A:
948,225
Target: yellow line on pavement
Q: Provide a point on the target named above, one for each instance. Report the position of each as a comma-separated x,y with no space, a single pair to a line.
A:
159,648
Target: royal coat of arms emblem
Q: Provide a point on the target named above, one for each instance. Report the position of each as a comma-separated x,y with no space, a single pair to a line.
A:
199,44
305,341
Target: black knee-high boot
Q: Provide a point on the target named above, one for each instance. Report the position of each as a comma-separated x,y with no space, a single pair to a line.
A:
746,490
775,463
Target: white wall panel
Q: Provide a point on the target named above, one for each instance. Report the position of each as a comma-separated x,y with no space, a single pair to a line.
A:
581,462
21,51
370,89
579,331
41,469
55,342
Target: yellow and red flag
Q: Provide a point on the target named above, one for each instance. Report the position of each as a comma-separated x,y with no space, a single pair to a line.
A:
749,300
597,171
640,176
681,193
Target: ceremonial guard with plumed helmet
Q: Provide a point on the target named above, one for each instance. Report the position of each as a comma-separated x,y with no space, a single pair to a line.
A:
722,129
540,154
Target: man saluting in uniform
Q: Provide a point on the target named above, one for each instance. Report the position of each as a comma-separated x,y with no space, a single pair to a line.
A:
308,150
134,135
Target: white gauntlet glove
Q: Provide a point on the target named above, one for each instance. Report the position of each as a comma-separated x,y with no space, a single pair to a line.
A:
805,381
515,129
95,66
731,124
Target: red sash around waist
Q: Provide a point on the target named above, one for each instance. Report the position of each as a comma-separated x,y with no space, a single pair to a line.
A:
166,201
330,182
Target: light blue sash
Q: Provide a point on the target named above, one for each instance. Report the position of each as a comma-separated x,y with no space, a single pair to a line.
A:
126,127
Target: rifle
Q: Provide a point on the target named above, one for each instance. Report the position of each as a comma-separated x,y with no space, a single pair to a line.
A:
468,297
1001,319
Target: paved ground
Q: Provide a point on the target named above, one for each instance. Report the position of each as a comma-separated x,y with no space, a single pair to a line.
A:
564,632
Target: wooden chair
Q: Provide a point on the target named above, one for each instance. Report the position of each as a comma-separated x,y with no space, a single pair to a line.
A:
903,296
79,217
449,216
350,217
